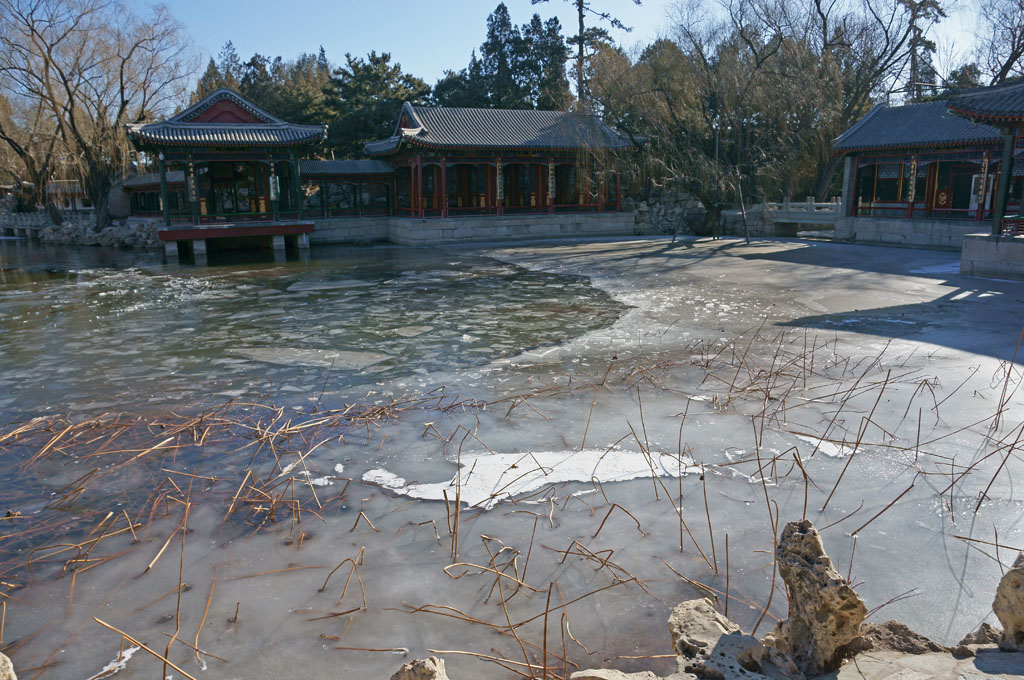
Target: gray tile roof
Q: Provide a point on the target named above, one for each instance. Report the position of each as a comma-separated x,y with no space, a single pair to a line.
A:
1000,103
181,130
225,134
913,126
495,129
151,178
313,168
64,186
383,146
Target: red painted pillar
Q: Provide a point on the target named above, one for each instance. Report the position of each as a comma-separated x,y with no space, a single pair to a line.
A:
412,188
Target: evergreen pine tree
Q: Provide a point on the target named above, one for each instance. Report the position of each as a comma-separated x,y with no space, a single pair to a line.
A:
230,66
210,81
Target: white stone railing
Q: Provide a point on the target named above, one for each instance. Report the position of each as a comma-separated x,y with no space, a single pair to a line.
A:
36,220
806,212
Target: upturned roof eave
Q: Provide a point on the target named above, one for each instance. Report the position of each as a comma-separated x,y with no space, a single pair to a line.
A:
842,151
987,117
148,140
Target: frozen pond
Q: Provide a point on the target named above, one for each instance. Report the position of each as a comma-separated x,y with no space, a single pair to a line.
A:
85,331
447,452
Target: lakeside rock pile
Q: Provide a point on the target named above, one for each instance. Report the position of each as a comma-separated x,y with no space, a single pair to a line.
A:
825,628
122,234
669,208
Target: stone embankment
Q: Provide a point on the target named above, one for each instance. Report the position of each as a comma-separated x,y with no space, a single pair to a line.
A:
825,635
81,230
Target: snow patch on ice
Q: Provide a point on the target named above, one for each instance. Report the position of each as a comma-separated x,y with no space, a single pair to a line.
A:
117,664
388,480
288,468
485,479
826,447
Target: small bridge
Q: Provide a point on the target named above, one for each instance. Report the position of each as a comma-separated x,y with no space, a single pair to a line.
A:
25,225
808,213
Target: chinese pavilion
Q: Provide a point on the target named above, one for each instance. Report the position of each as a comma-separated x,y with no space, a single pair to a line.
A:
240,170
457,161
952,163
227,168
1001,108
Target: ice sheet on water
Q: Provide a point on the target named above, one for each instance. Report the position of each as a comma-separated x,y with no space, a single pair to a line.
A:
327,285
296,356
951,267
485,479
412,331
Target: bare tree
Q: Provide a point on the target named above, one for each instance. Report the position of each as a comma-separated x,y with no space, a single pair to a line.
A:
1000,52
93,67
593,37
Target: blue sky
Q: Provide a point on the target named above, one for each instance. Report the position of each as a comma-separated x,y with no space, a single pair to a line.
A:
425,36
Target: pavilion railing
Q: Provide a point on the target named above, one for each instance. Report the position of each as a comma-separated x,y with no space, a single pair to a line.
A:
1013,225
227,218
901,210
577,207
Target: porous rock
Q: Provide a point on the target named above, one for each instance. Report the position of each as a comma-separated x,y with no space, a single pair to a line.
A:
1009,607
608,674
422,669
897,637
985,635
825,613
6,669
711,646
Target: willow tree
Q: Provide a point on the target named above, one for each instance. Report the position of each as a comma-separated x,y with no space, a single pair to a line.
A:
749,94
92,66
28,146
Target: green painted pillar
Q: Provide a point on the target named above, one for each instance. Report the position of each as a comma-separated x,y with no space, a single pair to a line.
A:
163,191
296,185
1005,177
